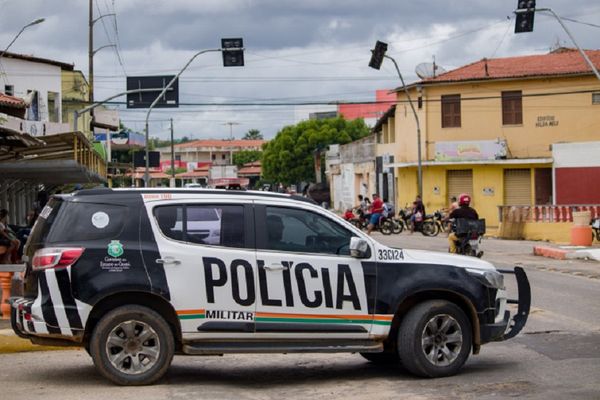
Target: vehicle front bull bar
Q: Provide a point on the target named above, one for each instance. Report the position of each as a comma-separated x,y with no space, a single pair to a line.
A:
518,321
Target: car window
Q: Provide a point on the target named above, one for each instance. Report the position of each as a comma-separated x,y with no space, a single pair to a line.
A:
87,221
217,225
303,231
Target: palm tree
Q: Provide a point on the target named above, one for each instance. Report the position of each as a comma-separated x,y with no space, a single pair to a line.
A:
253,134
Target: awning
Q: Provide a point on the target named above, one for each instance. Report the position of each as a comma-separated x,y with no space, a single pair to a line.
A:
49,171
58,159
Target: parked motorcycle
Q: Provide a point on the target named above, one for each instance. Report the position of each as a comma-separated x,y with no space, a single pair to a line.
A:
469,233
385,225
426,226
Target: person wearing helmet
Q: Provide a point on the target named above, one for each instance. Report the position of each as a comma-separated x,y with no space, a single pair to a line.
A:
463,211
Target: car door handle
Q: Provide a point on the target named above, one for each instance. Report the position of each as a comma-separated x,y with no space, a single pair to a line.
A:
168,260
274,267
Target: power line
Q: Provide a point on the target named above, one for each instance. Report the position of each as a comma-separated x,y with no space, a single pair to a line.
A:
338,102
581,22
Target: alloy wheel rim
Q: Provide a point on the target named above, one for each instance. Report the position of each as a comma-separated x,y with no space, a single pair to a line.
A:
133,347
441,340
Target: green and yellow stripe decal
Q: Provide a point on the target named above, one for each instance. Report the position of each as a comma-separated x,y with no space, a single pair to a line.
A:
378,319
191,314
324,318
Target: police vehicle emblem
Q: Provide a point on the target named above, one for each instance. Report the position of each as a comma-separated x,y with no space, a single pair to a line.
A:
115,248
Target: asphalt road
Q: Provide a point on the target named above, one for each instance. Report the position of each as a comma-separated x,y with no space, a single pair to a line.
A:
557,357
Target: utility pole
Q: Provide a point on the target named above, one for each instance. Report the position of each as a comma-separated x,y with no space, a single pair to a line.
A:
91,52
231,128
172,152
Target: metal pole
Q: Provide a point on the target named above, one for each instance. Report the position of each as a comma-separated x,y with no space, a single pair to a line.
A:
146,172
172,152
419,163
91,51
585,57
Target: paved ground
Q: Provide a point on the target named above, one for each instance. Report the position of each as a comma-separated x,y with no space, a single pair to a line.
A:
557,357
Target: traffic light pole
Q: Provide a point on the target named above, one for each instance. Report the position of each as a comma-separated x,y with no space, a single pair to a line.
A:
146,172
560,21
412,106
585,57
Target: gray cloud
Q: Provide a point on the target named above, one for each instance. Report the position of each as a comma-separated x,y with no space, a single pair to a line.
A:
295,50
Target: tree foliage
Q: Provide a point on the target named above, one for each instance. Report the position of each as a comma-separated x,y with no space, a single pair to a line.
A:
245,156
288,158
252,134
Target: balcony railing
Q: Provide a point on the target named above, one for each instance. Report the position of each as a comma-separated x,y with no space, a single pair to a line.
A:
545,213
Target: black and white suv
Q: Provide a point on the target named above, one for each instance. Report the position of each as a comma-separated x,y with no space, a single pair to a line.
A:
136,276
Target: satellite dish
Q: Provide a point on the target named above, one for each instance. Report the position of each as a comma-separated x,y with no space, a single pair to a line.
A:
429,70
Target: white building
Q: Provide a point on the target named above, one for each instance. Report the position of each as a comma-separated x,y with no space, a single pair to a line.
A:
39,82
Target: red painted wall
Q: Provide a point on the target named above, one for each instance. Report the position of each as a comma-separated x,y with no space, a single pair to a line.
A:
354,111
578,185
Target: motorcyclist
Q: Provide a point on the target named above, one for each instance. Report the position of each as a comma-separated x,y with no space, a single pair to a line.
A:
376,210
463,211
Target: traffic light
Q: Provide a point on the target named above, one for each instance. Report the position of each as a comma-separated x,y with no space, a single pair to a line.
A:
524,21
233,52
377,55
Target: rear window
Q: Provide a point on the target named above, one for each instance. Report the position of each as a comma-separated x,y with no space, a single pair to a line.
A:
45,220
88,221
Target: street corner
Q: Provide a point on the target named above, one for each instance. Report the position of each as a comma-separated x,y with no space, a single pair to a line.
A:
11,343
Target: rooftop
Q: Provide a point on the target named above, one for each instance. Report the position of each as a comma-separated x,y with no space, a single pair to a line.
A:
26,57
563,61
222,143
11,101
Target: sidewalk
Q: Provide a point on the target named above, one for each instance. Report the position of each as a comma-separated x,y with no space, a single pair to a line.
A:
11,343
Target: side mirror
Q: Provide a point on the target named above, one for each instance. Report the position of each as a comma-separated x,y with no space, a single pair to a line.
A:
359,248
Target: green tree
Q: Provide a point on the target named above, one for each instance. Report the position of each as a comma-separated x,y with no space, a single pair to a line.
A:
245,156
288,158
253,134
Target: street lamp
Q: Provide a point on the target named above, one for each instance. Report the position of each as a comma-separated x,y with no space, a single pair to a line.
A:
233,56
376,60
34,22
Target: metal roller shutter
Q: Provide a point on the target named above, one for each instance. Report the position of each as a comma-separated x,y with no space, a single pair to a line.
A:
460,181
517,187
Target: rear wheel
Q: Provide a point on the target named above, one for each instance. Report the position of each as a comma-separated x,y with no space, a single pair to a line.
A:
132,345
434,339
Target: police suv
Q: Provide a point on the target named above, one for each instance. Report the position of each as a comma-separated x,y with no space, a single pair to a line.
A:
136,276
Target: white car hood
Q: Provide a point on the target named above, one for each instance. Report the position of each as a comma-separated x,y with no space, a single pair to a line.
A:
434,257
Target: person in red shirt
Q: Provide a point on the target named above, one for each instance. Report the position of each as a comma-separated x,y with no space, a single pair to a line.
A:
349,215
376,210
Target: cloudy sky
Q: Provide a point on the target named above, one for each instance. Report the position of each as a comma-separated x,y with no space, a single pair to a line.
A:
307,51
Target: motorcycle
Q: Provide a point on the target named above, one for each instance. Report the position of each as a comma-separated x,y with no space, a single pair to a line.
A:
426,226
385,225
596,228
469,233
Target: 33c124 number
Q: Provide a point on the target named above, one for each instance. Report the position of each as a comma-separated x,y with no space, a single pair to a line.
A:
390,254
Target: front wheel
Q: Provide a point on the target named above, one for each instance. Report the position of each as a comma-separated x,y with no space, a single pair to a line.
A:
397,226
429,228
132,345
386,227
434,339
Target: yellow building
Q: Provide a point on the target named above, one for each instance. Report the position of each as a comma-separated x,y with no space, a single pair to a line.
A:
75,95
487,129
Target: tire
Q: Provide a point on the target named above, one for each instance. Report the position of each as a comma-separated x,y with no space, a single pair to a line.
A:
429,228
386,227
384,358
423,329
115,344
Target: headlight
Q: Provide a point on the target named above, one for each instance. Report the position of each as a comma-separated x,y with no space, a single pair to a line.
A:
492,279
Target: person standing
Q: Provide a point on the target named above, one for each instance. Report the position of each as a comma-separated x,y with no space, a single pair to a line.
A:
418,213
7,239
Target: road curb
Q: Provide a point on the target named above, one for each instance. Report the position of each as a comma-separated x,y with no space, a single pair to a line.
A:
550,252
592,254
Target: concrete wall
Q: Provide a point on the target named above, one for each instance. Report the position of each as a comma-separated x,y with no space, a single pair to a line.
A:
577,172
27,75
